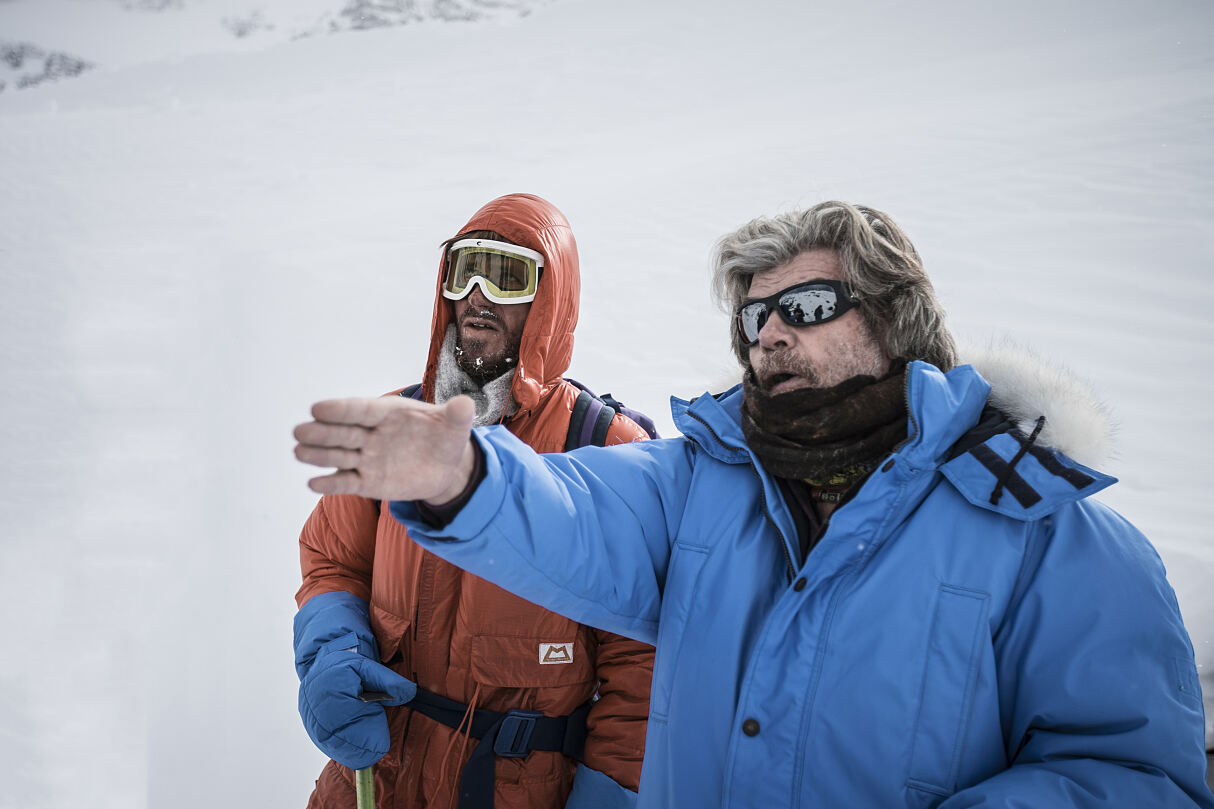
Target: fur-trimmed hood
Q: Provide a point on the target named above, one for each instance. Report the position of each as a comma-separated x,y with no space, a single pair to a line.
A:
1025,386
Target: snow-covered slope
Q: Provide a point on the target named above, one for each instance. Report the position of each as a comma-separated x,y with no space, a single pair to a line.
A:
221,221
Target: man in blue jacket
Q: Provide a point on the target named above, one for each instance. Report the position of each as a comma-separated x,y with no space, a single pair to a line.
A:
872,580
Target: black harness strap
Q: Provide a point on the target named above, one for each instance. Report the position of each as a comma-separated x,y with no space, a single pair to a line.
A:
513,734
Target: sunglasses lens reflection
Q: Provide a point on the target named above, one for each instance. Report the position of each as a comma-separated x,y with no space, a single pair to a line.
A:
751,320
805,304
808,305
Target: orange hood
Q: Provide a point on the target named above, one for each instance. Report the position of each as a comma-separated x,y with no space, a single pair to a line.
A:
546,346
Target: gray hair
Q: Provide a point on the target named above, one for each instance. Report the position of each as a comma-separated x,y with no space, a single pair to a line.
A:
879,263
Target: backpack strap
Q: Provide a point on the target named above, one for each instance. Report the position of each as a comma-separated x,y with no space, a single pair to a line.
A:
592,415
589,422
643,421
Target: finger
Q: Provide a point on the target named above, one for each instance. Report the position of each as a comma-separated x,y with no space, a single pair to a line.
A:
344,436
377,677
360,411
460,411
325,456
345,481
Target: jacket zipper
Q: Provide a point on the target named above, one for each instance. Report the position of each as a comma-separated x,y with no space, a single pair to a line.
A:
791,572
910,434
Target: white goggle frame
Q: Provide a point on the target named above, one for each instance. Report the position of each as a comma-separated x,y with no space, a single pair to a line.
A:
488,289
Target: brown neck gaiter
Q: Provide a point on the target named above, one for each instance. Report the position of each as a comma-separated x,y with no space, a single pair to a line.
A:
826,436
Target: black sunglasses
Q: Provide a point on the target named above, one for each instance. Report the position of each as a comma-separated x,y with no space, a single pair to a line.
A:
809,303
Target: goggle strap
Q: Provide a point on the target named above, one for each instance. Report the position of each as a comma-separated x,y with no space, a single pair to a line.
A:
525,253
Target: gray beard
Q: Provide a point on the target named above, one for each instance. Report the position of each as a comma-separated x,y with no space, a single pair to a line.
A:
492,399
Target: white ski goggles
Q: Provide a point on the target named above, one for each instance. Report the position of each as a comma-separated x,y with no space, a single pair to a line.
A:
506,273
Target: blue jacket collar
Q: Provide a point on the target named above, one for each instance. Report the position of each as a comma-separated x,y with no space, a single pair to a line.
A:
715,423
941,407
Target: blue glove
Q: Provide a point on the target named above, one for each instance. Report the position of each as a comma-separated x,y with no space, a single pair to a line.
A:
337,659
594,790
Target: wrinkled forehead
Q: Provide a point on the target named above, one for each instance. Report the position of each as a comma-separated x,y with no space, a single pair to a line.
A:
819,263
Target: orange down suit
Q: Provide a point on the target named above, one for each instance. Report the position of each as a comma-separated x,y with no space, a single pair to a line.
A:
461,637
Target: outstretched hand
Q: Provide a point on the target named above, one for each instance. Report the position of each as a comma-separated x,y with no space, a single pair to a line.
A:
390,448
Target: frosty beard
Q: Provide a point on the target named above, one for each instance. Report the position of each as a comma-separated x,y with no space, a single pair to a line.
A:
472,357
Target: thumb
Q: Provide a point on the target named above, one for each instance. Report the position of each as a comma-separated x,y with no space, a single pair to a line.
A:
377,677
459,412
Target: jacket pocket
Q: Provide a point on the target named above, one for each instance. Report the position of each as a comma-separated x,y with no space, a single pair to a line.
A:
682,580
950,674
531,662
391,634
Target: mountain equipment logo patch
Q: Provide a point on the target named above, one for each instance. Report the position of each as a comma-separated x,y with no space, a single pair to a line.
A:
555,653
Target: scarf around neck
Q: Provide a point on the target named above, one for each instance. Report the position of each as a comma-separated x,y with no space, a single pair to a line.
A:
494,404
826,436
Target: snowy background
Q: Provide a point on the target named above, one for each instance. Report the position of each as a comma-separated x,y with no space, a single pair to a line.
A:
214,212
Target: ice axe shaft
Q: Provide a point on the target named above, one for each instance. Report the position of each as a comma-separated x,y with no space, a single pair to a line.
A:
364,779
364,788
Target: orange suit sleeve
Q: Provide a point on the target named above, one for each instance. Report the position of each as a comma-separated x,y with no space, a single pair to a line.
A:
337,547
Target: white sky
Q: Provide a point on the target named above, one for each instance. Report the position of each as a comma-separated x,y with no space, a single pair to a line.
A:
203,234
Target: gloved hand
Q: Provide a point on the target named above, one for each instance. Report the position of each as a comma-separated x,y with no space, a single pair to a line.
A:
337,659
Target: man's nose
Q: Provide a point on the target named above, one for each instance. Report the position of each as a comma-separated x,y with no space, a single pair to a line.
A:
477,298
775,333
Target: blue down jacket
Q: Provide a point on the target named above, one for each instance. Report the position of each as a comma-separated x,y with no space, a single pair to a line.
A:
950,642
